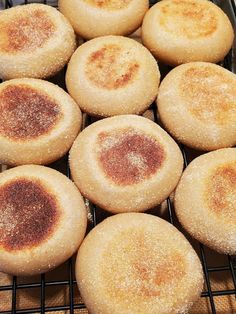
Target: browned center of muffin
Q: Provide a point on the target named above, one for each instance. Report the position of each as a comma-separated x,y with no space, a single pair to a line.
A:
111,67
187,18
26,32
209,94
127,156
26,112
28,214
139,267
109,4
221,191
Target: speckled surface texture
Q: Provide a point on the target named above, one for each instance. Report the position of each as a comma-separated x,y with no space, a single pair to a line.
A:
59,295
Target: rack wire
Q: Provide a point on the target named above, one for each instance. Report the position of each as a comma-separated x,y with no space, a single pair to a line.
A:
70,282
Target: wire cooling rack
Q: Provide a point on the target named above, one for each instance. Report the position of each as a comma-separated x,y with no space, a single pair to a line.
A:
72,305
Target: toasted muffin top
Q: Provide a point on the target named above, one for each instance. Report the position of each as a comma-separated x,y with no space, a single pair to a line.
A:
111,67
209,92
220,191
27,112
190,19
25,28
128,156
29,213
109,4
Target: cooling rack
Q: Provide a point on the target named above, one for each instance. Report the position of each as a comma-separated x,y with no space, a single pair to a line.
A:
73,305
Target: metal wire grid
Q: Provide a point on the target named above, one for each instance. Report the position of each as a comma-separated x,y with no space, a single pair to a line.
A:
97,217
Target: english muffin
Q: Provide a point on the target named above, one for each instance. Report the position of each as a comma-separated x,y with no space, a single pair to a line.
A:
38,123
35,41
205,200
42,219
94,18
181,31
197,105
125,163
141,264
113,75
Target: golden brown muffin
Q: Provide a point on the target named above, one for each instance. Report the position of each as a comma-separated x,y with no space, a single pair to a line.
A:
125,163
205,200
113,75
94,18
38,123
42,219
197,105
137,263
181,31
35,41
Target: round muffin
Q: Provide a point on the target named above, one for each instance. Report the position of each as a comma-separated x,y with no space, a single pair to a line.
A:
43,219
205,200
197,105
181,31
38,123
127,259
94,18
35,41
113,75
125,163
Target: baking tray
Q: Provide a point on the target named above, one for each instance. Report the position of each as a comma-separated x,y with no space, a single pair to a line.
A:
56,291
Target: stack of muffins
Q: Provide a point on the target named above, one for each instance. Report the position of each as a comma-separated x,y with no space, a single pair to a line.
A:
123,162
